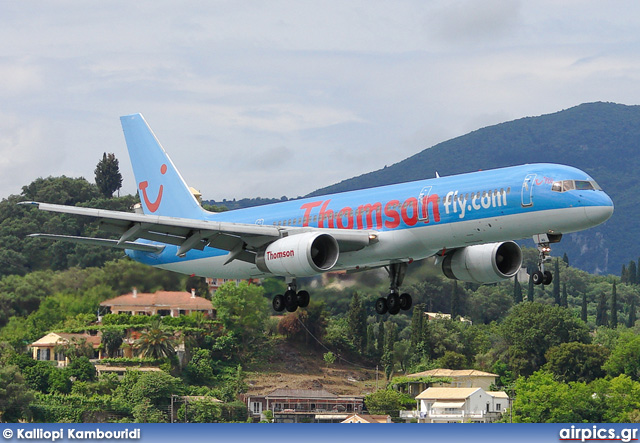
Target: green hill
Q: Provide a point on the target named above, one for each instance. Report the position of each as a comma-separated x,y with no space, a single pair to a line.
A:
602,139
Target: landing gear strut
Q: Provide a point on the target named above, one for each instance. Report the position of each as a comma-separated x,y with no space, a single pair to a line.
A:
292,299
394,302
542,276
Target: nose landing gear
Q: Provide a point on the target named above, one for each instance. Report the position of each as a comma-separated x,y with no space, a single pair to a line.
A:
542,276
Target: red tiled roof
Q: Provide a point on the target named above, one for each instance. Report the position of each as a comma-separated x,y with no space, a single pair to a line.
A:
165,299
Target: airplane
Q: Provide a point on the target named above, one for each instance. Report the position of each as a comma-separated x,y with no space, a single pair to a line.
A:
468,222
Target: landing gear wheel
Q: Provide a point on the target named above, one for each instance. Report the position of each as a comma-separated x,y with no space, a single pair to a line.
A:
290,301
393,302
405,302
381,306
395,310
537,277
303,299
548,278
278,303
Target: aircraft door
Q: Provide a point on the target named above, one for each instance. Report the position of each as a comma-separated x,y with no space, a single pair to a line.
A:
422,203
527,190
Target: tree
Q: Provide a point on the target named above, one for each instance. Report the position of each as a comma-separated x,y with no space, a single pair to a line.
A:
200,369
329,358
108,177
81,369
371,341
417,324
455,300
563,299
531,329
401,353
14,396
631,322
112,340
157,387
625,357
632,273
156,341
613,323
242,309
357,323
530,289
452,360
517,291
380,340
576,361
601,311
583,311
556,283
384,401
542,399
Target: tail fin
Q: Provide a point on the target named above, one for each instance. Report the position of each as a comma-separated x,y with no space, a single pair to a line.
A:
162,189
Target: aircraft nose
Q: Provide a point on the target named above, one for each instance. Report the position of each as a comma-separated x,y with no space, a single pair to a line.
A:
601,213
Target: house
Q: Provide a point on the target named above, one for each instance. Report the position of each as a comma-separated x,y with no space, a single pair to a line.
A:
303,405
366,418
163,303
460,378
458,405
45,348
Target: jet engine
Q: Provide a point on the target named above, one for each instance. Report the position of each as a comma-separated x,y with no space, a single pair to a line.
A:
299,255
488,263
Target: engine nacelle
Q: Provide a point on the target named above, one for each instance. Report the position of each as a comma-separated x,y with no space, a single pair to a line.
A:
299,255
488,263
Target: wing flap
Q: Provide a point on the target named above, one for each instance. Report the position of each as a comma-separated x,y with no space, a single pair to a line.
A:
102,242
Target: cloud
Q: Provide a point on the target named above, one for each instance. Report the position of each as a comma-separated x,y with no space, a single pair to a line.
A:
468,22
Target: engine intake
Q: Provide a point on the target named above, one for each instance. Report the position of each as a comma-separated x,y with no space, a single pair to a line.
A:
299,255
488,263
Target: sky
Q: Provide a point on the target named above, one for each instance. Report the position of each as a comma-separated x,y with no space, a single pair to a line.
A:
273,98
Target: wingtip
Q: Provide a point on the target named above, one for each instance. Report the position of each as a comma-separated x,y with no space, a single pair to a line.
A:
29,203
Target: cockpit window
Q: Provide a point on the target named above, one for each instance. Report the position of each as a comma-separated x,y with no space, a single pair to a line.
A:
583,185
570,185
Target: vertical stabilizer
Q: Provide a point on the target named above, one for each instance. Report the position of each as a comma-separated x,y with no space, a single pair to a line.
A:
162,189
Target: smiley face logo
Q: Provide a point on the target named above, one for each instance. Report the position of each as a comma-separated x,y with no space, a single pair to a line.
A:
153,206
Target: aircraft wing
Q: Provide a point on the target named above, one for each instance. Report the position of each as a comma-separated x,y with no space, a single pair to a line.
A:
241,239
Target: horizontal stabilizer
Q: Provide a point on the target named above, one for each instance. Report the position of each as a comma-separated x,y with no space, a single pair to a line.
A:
102,242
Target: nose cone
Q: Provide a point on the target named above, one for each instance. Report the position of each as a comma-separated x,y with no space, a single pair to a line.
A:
600,213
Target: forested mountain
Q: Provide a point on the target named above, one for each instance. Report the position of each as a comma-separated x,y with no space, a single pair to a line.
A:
602,139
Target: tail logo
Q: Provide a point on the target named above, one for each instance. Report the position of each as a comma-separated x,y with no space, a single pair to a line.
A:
153,206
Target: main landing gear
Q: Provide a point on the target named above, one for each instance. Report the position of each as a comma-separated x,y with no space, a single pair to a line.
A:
292,299
394,302
542,276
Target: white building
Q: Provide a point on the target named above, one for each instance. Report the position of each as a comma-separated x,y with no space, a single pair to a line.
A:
457,405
